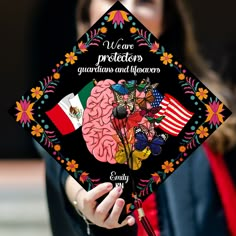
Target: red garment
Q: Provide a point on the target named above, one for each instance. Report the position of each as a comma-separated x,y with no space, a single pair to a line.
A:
150,210
225,187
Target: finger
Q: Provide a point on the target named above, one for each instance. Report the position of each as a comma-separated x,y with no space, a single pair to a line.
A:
98,192
106,205
130,220
112,220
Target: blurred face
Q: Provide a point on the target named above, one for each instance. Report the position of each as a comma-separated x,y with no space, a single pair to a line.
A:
148,12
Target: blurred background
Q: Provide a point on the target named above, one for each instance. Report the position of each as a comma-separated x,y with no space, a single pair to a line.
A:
28,25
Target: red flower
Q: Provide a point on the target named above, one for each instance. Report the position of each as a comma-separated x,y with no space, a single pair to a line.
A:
82,46
156,178
83,177
155,47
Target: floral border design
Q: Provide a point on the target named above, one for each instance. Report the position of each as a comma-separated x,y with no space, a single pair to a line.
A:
27,105
197,93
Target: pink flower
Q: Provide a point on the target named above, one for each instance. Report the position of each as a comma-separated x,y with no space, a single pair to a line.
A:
25,113
118,18
214,115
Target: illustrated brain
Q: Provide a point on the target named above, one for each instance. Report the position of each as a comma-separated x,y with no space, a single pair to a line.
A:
97,127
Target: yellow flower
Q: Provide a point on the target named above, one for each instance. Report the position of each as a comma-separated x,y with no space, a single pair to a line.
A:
37,130
166,58
71,58
202,93
167,167
36,92
202,132
72,166
181,76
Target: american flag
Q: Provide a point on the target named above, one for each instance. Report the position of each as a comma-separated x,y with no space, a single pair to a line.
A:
158,98
176,116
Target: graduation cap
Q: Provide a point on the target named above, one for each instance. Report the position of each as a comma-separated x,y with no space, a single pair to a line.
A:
120,107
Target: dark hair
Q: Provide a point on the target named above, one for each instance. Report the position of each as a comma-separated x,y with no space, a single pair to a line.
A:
178,37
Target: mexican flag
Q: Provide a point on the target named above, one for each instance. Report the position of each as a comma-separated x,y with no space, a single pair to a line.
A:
67,114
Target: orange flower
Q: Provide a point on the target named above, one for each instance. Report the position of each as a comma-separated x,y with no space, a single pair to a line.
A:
36,92
56,75
57,147
182,148
25,111
155,47
103,30
214,115
167,167
202,132
71,58
156,178
82,46
166,58
181,76
37,130
133,30
72,166
202,93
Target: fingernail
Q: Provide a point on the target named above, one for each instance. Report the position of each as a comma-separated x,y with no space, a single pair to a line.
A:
109,186
120,202
119,189
130,220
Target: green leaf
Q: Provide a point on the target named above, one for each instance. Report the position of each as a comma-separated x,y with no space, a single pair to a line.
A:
99,37
196,85
196,138
150,187
162,49
138,37
164,175
76,175
88,38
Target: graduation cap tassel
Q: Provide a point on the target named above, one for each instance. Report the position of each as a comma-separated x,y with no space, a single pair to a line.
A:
142,217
